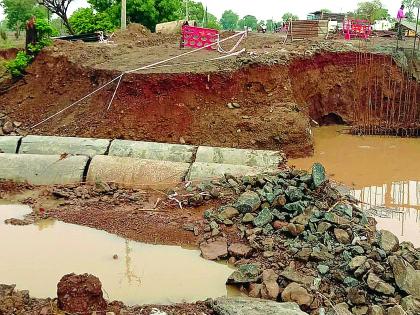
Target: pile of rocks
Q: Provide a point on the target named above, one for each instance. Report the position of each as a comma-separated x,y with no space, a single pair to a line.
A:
300,240
98,192
9,127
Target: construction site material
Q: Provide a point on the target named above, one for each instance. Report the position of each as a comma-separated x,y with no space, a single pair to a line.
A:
63,145
303,29
42,169
129,171
259,158
208,171
9,144
391,105
152,150
173,27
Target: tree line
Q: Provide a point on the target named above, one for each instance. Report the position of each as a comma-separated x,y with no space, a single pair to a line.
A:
105,14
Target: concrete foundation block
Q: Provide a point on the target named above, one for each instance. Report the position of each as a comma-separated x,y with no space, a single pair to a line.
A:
208,171
9,144
136,172
60,145
152,151
42,169
255,158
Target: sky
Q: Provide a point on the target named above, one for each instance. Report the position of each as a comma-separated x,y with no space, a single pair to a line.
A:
271,9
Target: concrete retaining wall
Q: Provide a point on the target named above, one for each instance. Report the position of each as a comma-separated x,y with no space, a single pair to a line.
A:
152,150
261,158
42,169
9,144
136,172
61,145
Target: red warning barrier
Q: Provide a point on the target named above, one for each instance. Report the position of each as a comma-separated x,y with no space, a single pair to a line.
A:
357,28
198,37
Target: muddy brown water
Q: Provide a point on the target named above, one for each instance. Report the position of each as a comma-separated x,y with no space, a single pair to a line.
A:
383,172
36,256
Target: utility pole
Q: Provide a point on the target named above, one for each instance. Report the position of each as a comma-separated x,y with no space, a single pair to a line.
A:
123,14
417,33
187,13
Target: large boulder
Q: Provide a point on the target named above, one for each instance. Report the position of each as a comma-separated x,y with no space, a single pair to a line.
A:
411,305
318,174
214,250
388,241
240,250
406,277
294,292
249,201
245,274
250,306
270,288
379,285
80,294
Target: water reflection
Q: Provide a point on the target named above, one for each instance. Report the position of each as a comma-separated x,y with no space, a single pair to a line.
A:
383,172
35,257
396,207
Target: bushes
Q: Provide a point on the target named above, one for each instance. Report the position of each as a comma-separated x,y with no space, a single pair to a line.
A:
17,66
84,20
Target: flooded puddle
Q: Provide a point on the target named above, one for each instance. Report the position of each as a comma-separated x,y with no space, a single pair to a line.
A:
35,257
382,172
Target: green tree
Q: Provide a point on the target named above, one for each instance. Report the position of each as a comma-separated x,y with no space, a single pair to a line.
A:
289,16
229,20
212,22
411,6
248,21
146,12
85,20
371,11
19,11
271,25
325,10
60,8
196,11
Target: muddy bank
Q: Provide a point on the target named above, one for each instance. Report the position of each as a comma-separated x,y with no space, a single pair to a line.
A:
273,104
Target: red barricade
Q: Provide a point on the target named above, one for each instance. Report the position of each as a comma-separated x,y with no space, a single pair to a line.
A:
357,28
198,37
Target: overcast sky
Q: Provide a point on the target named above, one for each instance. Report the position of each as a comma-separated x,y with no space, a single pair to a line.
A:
267,9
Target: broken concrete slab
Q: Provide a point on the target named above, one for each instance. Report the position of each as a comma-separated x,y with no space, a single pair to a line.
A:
42,169
250,306
9,144
152,150
204,171
255,158
63,145
136,172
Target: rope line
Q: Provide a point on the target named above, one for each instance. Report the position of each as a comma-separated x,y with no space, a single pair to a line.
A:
119,77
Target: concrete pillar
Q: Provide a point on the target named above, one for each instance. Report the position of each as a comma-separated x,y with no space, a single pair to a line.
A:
60,145
9,144
152,150
136,172
259,158
42,169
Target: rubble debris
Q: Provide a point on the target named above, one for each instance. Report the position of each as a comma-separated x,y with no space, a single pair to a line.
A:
316,243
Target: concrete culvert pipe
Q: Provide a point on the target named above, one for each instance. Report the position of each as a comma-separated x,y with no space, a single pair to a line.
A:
136,172
42,169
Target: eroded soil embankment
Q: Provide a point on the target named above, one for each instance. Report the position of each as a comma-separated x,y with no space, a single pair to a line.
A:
275,102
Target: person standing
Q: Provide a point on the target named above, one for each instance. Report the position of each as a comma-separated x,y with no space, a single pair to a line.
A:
31,33
400,17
